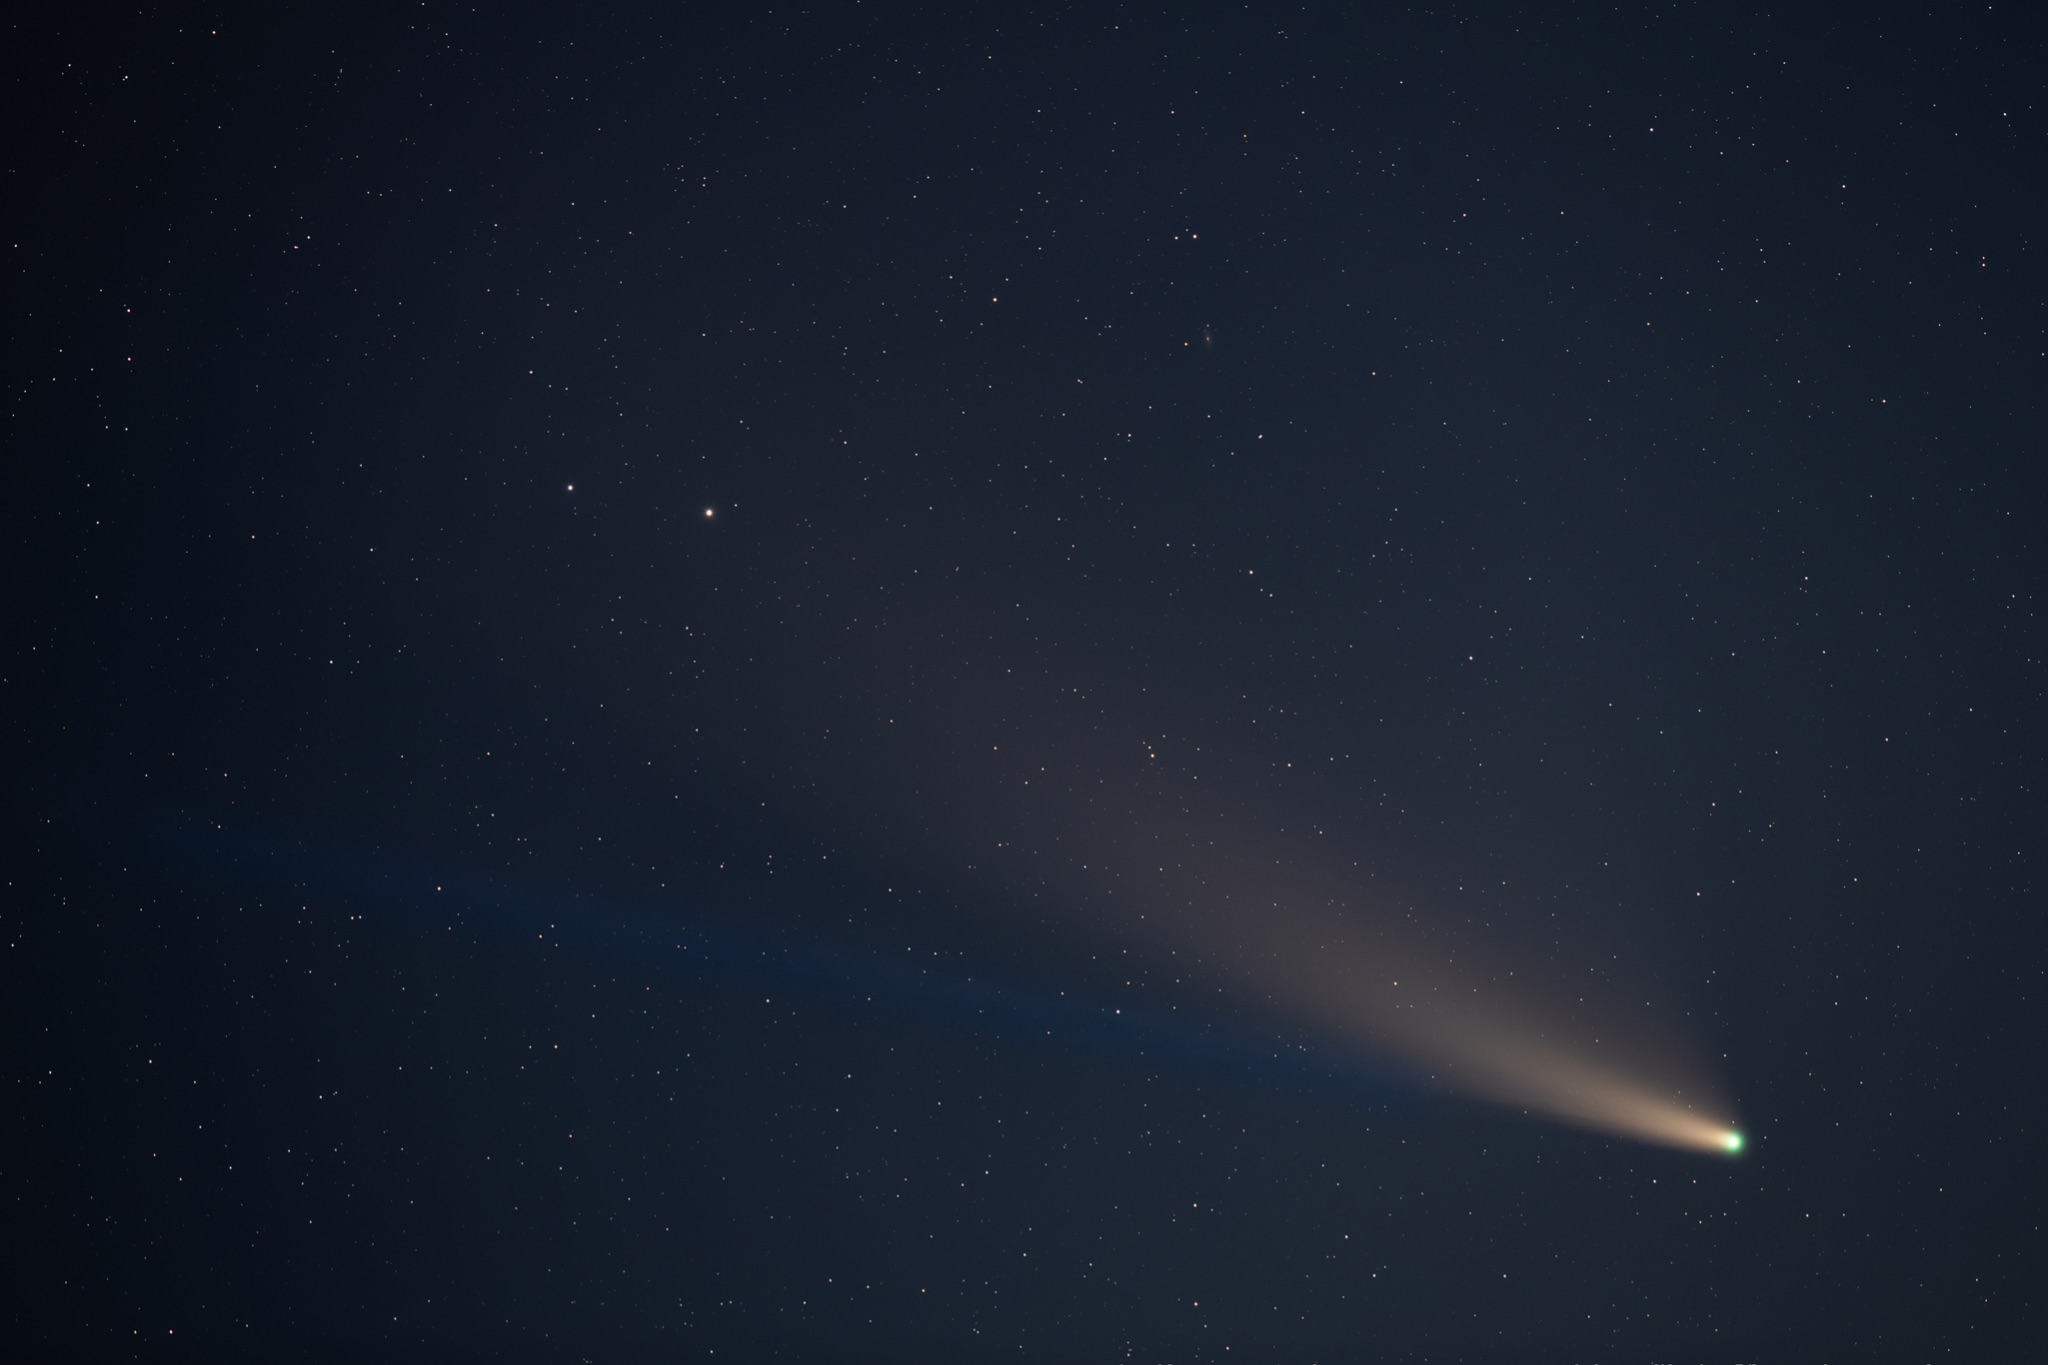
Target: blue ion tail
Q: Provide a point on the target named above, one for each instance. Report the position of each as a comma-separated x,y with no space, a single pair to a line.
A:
449,900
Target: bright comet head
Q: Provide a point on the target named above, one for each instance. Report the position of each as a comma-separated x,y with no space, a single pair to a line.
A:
1732,1143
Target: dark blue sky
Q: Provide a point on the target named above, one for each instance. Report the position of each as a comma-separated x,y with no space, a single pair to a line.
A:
1546,487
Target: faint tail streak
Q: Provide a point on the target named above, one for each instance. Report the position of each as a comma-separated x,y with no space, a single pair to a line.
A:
1491,1060
1473,1036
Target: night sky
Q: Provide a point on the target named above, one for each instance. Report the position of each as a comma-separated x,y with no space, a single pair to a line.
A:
894,684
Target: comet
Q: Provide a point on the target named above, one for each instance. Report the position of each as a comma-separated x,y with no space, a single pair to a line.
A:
1196,849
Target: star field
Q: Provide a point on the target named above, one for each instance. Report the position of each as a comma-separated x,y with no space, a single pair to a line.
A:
845,683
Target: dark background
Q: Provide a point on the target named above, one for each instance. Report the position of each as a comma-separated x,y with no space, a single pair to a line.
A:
1603,442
